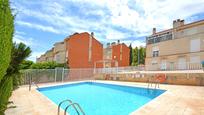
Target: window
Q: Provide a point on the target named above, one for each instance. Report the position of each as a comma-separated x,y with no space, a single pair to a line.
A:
163,65
195,59
57,57
182,63
195,45
155,53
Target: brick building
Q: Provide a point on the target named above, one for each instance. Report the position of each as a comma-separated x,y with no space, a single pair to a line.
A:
116,54
83,50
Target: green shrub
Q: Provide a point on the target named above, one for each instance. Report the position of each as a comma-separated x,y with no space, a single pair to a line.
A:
6,86
203,64
6,34
17,80
26,64
46,65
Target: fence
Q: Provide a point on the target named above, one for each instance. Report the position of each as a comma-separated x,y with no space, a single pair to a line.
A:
173,66
117,73
57,75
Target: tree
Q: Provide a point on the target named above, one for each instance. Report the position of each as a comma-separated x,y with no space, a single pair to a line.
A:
19,53
130,57
141,52
142,55
135,56
6,35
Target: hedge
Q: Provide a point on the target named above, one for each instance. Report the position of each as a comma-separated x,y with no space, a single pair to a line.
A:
6,34
6,86
46,65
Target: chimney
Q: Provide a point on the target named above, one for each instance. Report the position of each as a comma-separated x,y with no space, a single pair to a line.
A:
182,22
177,23
118,41
92,34
154,31
108,44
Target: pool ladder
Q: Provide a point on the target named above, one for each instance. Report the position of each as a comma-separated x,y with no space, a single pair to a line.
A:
74,105
151,81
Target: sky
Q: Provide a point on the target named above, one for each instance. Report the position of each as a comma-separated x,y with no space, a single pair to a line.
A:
41,23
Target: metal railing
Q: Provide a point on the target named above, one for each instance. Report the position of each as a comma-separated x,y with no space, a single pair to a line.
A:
174,66
64,75
70,104
73,104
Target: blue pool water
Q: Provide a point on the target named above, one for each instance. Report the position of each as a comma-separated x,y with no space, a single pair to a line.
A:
100,98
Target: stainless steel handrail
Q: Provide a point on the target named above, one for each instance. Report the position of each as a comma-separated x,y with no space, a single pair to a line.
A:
73,104
67,100
151,81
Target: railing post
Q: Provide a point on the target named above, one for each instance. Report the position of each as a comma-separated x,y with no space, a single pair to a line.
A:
30,82
62,74
55,75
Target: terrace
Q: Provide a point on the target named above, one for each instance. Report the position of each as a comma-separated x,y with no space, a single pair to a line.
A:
176,99
159,38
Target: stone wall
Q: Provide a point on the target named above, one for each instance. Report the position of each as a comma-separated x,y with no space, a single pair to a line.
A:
177,79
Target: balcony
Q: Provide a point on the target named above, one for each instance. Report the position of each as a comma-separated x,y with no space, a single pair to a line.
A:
159,38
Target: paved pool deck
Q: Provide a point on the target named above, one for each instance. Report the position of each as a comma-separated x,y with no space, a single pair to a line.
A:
177,100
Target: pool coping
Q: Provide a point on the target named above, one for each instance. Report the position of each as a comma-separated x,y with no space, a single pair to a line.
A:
88,81
171,101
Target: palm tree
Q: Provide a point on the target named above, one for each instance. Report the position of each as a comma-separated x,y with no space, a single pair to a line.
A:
12,78
19,53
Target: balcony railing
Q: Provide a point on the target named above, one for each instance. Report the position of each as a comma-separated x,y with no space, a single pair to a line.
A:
174,67
159,38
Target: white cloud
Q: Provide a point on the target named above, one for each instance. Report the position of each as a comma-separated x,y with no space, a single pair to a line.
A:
115,35
156,13
135,43
19,37
141,18
38,26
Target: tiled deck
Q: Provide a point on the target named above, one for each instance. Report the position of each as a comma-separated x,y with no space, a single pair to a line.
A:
177,100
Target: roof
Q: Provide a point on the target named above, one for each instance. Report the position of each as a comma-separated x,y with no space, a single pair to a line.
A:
181,27
59,43
68,38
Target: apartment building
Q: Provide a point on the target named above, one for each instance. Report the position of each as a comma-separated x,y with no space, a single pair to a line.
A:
83,50
41,59
56,54
181,47
60,52
116,54
47,57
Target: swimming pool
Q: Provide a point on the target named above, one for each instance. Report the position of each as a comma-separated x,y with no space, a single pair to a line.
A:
100,98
